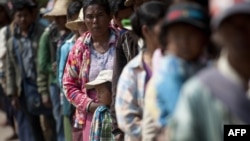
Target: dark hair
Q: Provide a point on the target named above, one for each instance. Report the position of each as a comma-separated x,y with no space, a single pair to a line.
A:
118,5
74,8
21,5
148,14
102,3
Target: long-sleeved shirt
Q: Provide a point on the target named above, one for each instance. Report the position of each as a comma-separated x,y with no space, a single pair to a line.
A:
76,74
65,49
130,98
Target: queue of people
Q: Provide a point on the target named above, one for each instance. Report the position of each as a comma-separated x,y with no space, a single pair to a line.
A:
124,70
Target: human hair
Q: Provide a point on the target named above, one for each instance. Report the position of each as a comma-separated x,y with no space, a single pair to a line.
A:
118,5
148,14
23,5
74,8
102,3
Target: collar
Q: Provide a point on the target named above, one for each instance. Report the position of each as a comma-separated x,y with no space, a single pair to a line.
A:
112,37
226,69
138,61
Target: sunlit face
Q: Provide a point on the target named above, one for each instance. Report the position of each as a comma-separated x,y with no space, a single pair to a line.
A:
186,41
96,20
104,95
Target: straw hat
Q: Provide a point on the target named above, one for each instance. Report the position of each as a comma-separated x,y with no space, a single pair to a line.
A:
103,76
74,25
59,9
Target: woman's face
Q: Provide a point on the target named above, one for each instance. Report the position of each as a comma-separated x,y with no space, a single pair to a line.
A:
152,34
186,41
96,20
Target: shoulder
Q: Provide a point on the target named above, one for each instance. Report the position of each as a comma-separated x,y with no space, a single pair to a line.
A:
196,88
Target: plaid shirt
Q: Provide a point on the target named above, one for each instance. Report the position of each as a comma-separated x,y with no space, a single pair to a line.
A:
76,74
130,97
101,125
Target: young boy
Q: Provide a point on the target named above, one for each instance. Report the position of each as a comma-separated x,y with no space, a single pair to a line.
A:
102,122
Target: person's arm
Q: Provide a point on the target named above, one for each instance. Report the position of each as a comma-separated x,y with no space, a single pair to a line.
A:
128,112
43,68
71,84
63,58
150,128
10,71
3,52
44,62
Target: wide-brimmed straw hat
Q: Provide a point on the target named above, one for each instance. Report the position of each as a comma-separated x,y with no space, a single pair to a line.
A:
75,25
103,77
59,9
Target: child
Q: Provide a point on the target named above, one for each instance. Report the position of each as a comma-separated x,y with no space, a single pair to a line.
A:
102,123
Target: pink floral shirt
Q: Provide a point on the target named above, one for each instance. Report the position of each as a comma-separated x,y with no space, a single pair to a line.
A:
76,74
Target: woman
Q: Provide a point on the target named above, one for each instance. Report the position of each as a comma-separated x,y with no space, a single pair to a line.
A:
146,23
92,52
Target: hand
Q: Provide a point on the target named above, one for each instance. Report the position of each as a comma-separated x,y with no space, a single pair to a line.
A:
119,137
46,101
54,67
15,102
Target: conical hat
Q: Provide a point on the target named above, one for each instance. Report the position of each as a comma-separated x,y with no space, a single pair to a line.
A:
74,25
59,9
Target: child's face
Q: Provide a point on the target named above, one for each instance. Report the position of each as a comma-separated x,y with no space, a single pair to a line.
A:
104,95
186,41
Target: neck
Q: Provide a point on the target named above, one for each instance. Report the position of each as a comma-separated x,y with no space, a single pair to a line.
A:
147,56
101,39
242,67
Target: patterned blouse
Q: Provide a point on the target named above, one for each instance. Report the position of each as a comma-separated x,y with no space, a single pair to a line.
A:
77,71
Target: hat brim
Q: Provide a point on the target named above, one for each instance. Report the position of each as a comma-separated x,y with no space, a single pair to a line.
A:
54,13
92,84
237,9
74,25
